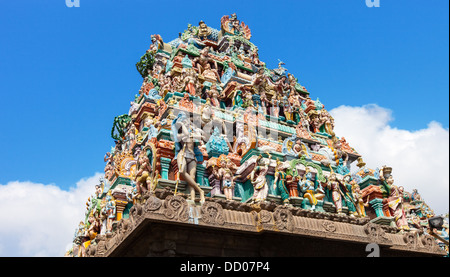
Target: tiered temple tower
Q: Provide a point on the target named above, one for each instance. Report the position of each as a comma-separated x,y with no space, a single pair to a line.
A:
220,149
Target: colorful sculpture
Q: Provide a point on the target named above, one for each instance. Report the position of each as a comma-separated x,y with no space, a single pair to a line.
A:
395,198
258,179
309,190
211,118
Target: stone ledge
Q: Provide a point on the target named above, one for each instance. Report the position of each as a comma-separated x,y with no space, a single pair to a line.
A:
267,217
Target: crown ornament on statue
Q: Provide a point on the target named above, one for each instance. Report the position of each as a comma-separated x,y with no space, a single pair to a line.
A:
360,163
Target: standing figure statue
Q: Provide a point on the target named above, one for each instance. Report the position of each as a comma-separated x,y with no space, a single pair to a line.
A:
395,198
187,138
205,61
333,185
360,204
279,182
258,180
110,211
226,176
348,195
143,179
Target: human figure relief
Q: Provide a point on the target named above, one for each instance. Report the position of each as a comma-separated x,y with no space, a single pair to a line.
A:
307,187
279,182
187,154
143,179
258,180
333,185
226,176
395,198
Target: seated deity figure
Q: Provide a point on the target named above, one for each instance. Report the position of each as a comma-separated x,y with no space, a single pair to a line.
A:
187,154
258,180
307,188
394,199
211,74
203,30
204,60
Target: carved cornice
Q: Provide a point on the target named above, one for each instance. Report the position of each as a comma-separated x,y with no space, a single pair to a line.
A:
163,206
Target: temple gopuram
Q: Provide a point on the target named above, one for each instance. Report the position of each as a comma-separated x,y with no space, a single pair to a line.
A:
219,155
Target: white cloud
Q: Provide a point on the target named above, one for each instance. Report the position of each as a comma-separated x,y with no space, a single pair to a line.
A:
40,220
420,159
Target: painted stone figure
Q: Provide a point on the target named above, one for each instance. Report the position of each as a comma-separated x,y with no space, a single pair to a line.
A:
309,191
348,195
205,61
226,176
333,186
143,179
394,199
258,180
110,212
360,204
279,183
187,138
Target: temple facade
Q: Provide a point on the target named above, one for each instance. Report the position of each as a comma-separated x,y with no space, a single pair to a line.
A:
219,155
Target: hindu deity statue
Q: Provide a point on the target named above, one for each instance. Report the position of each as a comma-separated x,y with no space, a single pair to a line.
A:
333,185
279,182
205,59
110,212
143,179
260,82
335,156
360,204
157,43
307,187
394,199
187,138
214,96
190,81
238,102
203,30
348,195
94,225
258,180
226,176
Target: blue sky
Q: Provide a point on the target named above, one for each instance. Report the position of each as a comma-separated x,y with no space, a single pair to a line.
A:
65,73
